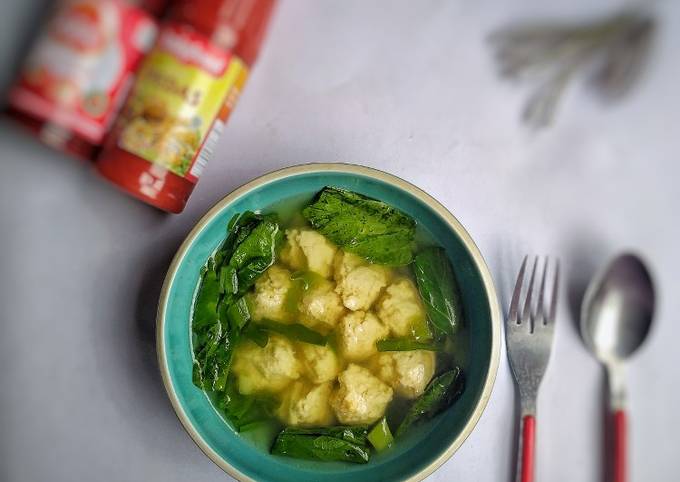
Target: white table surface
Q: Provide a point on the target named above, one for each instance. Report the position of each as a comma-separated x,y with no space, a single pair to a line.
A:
403,86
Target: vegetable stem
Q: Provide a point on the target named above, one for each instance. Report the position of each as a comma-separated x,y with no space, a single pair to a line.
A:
380,435
406,344
295,331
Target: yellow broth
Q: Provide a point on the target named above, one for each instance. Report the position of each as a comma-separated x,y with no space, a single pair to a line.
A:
307,392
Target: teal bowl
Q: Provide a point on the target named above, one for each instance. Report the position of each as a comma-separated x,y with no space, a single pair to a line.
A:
425,448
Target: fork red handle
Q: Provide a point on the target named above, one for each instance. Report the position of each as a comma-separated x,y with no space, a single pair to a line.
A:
527,444
618,446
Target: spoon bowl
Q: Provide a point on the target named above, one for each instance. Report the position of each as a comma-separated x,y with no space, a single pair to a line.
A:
618,309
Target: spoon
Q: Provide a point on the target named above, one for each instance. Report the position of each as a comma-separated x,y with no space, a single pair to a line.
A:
616,316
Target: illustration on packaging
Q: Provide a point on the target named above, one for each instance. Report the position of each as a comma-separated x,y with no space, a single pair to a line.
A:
80,69
177,107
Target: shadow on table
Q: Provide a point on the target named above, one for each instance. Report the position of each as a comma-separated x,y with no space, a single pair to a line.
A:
128,282
586,255
136,354
146,306
504,262
147,299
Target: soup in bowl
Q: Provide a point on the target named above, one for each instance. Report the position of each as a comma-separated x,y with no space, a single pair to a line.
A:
328,321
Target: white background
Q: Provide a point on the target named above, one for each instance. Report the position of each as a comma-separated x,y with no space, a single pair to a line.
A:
404,86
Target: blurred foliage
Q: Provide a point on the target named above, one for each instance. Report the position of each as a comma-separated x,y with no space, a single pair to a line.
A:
612,52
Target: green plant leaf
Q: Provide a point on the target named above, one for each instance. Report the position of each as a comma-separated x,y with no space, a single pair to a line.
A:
245,412
295,331
361,225
220,308
439,289
319,447
437,397
351,433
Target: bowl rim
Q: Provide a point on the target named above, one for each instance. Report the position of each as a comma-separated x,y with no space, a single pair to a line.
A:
445,214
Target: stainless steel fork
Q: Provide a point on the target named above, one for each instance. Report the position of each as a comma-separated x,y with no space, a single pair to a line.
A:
529,334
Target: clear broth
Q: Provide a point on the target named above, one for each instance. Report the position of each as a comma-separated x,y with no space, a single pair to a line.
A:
289,212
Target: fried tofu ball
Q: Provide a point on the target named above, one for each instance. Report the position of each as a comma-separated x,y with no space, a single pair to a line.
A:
317,250
305,405
400,307
271,290
407,372
361,398
344,263
265,369
291,253
319,363
358,331
322,304
361,286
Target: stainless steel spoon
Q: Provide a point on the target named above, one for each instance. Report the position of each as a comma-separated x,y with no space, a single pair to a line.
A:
616,316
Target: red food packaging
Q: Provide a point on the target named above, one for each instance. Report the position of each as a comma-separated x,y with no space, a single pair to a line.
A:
79,71
184,92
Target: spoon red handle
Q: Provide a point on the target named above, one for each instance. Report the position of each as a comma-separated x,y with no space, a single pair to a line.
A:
618,462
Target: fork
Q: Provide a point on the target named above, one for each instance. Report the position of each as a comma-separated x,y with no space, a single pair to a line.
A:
528,335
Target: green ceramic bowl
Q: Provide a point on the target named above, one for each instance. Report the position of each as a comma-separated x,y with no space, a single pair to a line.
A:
425,448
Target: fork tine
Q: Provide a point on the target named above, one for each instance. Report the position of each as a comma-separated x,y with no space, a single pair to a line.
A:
539,306
526,313
514,304
553,301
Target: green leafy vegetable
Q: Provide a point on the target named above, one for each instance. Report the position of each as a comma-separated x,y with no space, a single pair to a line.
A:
212,348
420,328
365,226
406,344
438,396
257,334
255,254
295,331
439,289
355,434
319,447
380,435
220,310
246,412
205,306
238,314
